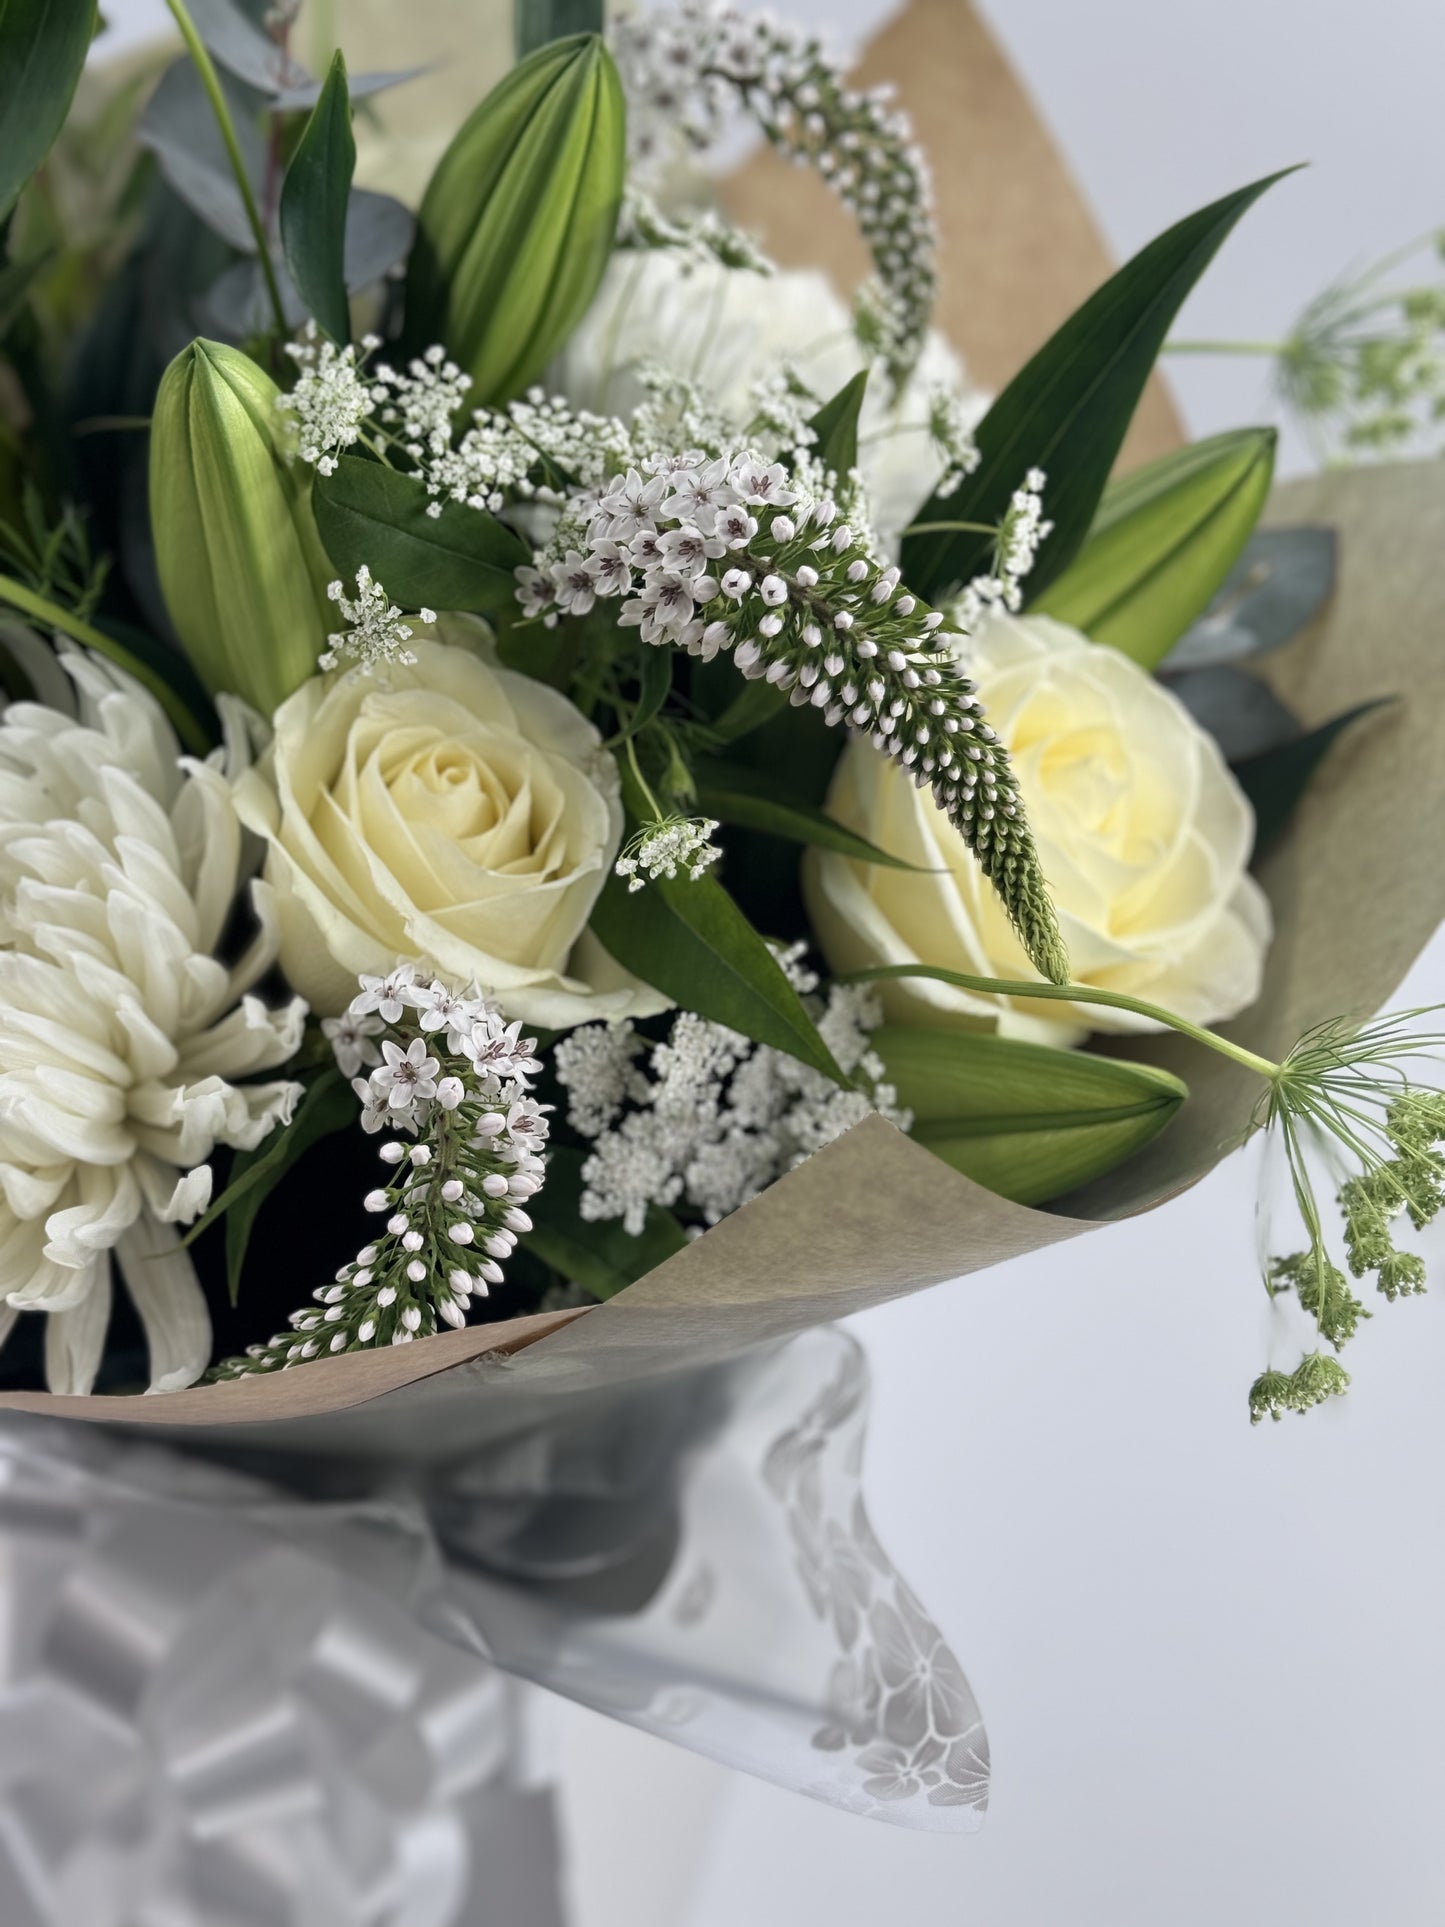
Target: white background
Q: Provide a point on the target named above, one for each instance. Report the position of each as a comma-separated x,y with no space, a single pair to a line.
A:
1209,1657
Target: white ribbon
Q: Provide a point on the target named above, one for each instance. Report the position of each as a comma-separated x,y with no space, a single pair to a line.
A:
222,1703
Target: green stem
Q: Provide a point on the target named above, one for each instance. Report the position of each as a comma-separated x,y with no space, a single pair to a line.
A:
52,616
1075,994
952,528
1173,347
210,80
642,782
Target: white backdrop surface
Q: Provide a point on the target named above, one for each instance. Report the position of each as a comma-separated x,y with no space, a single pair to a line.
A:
1208,1656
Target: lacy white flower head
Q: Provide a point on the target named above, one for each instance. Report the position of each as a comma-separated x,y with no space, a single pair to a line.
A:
128,1050
463,1141
377,632
739,552
331,399
708,1119
668,847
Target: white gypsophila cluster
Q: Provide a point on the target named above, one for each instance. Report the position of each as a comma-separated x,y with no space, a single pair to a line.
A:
736,552
738,332
670,845
684,67
377,631
128,1050
1022,530
413,411
450,1072
708,1119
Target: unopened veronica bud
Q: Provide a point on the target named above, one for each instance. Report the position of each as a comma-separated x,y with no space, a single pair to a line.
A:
375,1201
241,567
773,590
392,1153
807,577
416,1271
397,1223
386,1296
842,538
515,1219
452,1190
411,1318
461,1233
420,1155
412,1241
449,1309
784,528
736,584
450,1092
494,1185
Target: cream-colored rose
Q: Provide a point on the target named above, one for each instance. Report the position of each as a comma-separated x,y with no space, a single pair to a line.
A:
452,811
1142,832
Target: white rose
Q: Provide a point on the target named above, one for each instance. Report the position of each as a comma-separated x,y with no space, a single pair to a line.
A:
1143,835
452,812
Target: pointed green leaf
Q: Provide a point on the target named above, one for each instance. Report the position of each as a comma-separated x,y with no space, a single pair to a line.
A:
43,44
754,800
461,559
654,684
1067,410
601,1257
690,941
836,425
538,21
1026,1120
313,207
1276,778
1164,540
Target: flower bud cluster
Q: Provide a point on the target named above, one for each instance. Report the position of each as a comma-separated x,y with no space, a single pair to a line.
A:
684,66
462,1140
734,552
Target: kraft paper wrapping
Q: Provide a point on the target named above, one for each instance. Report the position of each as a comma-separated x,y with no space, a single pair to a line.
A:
1356,886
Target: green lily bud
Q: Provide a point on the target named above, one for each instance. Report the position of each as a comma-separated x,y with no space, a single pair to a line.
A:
1163,542
517,222
242,568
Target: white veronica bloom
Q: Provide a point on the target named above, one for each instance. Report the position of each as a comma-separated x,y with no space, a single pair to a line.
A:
122,1037
728,329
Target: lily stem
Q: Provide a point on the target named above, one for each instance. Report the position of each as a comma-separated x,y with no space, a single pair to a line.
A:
1078,994
210,80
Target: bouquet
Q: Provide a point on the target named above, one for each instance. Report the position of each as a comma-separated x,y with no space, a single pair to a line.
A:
545,755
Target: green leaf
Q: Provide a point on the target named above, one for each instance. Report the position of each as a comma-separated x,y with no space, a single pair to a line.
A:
43,44
601,1257
329,1105
538,21
755,800
690,941
16,280
1025,1120
1281,582
1164,540
655,681
1276,779
313,207
836,425
1067,410
461,559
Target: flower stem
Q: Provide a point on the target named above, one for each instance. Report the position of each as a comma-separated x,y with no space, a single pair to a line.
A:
50,614
205,66
951,528
642,782
1182,347
1076,994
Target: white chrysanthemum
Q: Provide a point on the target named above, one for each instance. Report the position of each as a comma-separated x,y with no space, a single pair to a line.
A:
729,330
122,1037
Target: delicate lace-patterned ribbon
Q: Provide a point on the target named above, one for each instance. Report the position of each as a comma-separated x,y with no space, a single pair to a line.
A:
220,1702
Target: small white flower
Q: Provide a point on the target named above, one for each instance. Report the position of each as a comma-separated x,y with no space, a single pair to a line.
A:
351,1038
388,996
408,1076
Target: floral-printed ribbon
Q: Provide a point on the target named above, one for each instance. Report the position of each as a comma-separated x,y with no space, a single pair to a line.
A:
220,1701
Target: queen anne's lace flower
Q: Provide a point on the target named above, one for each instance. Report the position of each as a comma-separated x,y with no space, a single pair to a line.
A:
123,1038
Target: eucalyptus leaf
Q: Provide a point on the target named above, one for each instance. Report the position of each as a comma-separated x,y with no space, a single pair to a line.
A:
314,210
179,127
1165,538
689,940
1276,778
601,1257
359,86
535,22
43,44
754,800
836,425
243,49
461,559
1026,1120
378,234
1281,582
1068,409
1241,713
